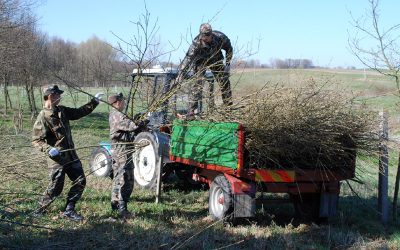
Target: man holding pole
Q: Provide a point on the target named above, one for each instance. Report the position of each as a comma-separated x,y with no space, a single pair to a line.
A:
52,135
205,52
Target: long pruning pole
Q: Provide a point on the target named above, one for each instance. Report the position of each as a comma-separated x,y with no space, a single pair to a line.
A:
77,88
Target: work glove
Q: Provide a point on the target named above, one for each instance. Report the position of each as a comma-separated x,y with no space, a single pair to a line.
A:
227,68
98,96
54,152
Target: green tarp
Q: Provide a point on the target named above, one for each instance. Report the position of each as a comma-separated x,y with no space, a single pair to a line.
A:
206,142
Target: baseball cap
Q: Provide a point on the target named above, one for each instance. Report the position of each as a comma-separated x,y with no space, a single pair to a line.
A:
116,97
52,89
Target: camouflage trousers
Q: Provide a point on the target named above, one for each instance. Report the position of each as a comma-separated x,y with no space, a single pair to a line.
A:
73,169
223,81
122,186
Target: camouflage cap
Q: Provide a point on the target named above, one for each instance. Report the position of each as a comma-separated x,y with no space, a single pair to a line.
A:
205,29
116,97
52,89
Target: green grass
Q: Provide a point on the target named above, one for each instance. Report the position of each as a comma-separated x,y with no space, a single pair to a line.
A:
181,219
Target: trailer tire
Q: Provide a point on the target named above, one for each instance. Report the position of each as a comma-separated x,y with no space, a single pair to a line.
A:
146,162
100,163
220,203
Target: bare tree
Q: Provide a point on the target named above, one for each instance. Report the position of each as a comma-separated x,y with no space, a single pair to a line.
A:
15,19
141,50
98,57
375,47
378,48
64,58
32,66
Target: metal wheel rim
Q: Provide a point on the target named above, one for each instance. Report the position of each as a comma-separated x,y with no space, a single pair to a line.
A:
100,162
145,164
216,204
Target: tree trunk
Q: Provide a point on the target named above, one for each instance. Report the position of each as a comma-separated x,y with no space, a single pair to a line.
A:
6,94
32,92
27,90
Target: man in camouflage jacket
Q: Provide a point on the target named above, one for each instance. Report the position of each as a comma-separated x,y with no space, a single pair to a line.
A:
122,131
52,135
205,52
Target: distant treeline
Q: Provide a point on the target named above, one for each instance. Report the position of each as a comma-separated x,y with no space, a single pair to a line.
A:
30,58
276,63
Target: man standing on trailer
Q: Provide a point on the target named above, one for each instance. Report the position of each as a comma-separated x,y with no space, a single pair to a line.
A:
205,52
52,135
122,131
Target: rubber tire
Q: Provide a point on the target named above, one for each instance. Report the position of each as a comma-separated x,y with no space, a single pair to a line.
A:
146,162
100,154
220,202
307,206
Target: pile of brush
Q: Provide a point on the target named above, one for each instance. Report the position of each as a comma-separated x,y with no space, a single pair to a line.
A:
307,127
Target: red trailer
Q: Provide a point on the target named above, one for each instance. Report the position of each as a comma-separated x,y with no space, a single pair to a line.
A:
214,153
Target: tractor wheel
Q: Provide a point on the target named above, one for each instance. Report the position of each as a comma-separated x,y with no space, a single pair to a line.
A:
146,161
220,203
100,162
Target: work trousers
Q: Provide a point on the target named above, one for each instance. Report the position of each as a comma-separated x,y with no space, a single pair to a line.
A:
220,76
122,186
73,169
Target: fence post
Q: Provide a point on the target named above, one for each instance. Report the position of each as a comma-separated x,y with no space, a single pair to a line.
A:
158,190
383,203
396,191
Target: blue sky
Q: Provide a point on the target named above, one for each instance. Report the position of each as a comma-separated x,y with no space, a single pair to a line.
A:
307,29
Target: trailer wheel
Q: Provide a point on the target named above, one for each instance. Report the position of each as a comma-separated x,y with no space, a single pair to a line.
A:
145,160
100,163
220,203
307,206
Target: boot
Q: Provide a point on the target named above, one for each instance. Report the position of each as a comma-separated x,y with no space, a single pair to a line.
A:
123,210
70,212
114,206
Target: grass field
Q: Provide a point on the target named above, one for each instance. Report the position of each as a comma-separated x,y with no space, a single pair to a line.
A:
181,220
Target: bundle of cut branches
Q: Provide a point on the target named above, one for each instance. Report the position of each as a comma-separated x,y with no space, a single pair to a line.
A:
308,127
